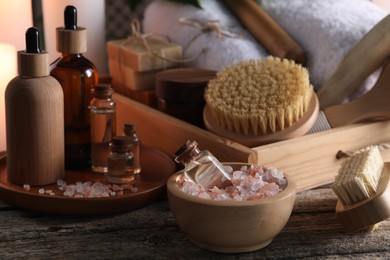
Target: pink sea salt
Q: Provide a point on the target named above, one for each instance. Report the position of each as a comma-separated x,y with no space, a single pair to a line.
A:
87,189
248,183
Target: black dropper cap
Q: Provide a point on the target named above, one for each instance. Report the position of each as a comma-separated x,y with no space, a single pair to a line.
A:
32,40
33,62
70,17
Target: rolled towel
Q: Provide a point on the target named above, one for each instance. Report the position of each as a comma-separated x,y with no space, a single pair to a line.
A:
326,30
162,17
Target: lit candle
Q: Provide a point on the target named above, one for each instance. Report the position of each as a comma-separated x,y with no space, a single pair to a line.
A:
7,72
15,19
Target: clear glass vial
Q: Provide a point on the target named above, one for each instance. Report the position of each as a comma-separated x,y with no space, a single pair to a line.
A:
120,159
103,125
201,166
129,130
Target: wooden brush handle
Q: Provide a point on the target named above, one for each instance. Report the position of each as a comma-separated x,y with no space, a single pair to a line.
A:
374,104
266,30
363,59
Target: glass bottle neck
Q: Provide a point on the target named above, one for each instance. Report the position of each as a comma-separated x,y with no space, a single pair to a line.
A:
188,155
71,56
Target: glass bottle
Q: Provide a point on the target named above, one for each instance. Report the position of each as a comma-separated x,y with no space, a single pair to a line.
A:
201,166
129,130
77,76
120,159
103,125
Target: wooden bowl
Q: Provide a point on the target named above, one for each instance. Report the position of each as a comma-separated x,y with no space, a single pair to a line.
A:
230,226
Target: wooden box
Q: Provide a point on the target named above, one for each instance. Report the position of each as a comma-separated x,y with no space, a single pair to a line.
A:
310,159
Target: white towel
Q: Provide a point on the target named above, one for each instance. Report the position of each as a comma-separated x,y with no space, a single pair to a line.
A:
326,30
162,17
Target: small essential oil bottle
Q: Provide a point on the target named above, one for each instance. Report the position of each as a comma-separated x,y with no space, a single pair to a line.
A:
201,166
120,159
77,76
103,125
129,130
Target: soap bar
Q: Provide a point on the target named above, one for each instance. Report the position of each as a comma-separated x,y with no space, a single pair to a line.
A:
138,56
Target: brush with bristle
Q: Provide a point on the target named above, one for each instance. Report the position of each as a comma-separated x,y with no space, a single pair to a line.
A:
363,190
259,96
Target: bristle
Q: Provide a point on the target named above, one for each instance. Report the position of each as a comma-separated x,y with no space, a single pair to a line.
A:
358,176
264,95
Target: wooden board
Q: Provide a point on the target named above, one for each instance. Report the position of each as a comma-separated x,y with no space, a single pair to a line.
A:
310,159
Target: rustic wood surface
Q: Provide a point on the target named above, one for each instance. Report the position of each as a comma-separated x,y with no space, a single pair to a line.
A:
151,232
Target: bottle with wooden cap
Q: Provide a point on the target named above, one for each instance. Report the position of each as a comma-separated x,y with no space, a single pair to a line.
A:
77,76
34,119
120,160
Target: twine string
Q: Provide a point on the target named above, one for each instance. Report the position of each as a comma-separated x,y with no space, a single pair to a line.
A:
346,154
139,38
210,26
204,27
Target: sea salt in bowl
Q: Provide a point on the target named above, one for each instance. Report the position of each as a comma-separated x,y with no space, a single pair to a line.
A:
230,226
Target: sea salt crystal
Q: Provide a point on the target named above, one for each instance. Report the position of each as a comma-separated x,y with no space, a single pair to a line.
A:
94,189
26,187
248,183
87,189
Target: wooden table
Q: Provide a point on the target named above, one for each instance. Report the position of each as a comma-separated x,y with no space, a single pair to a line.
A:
151,232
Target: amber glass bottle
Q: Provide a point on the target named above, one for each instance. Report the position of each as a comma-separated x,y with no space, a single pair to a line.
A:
77,76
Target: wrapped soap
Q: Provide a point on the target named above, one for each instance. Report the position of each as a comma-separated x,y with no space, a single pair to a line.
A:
134,61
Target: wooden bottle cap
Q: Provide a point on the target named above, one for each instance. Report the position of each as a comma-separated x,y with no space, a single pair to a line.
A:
71,41
33,62
71,38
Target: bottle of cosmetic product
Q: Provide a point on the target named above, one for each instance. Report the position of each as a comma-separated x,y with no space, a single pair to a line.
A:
129,130
34,119
120,159
77,76
103,126
201,166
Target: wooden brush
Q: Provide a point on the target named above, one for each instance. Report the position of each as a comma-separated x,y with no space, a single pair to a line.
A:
259,96
363,190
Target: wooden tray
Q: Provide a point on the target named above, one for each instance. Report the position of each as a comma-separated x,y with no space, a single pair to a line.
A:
157,167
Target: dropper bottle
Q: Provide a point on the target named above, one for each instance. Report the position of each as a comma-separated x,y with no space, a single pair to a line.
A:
77,76
34,105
